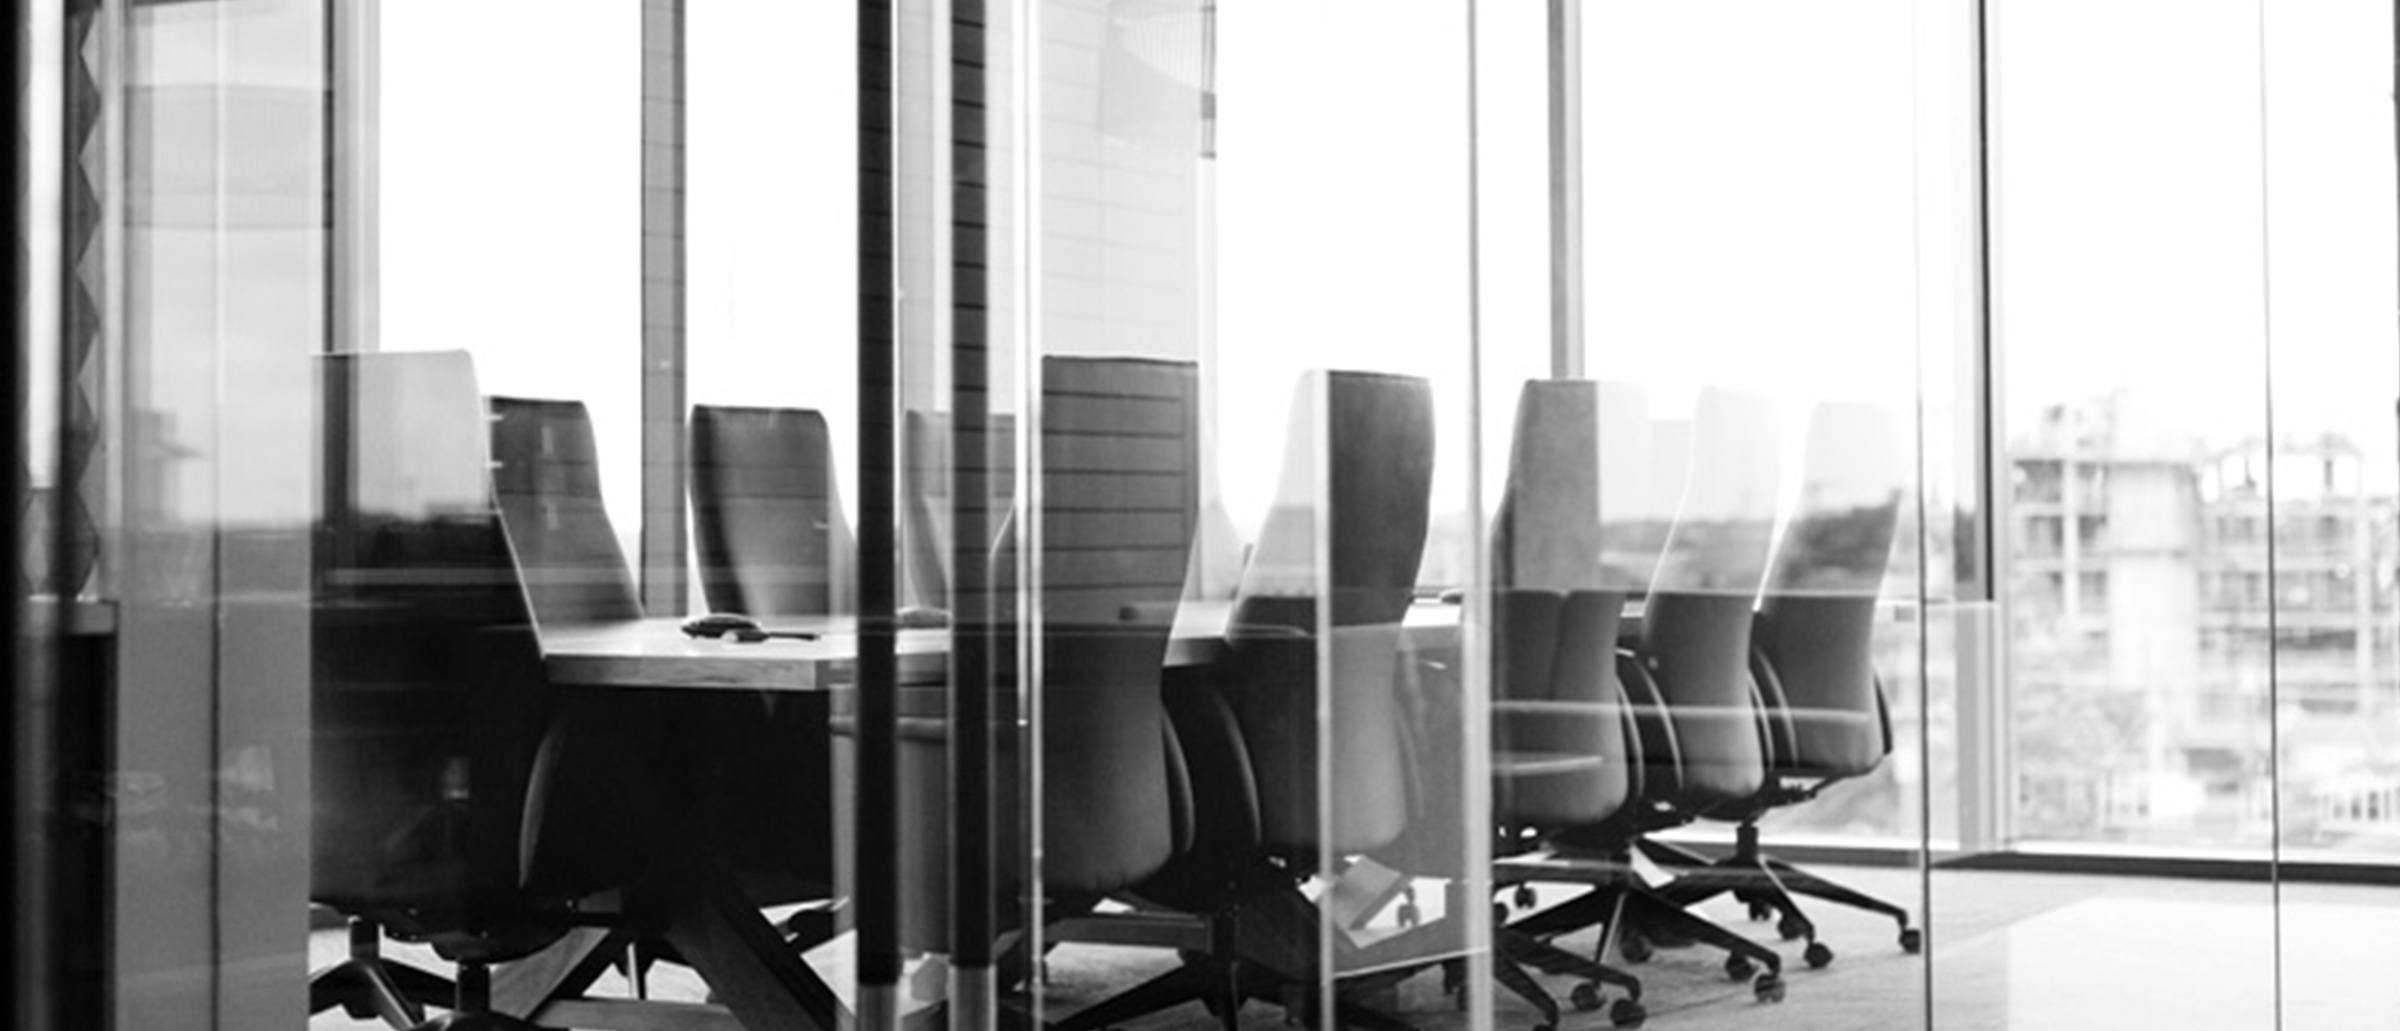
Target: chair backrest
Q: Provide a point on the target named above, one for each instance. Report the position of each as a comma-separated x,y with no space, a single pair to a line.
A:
1366,441
1815,628
428,700
1119,508
766,518
1695,636
927,470
546,472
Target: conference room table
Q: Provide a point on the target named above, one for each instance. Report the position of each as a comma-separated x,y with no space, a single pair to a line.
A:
758,979
656,653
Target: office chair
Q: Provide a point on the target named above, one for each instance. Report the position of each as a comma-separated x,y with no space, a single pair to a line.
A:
1248,728
546,470
766,518
1686,680
1812,658
768,532
1561,756
428,703
1116,510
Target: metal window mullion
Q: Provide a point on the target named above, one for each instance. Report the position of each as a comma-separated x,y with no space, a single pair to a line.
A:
663,306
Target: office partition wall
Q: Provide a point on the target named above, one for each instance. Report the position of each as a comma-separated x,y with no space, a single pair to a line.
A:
1444,515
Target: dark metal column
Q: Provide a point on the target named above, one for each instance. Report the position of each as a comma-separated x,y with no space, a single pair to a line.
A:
876,837
972,494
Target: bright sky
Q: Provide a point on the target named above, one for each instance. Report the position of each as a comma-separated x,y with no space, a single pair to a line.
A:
1771,194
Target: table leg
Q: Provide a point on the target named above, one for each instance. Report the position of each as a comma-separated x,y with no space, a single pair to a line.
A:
519,989
748,966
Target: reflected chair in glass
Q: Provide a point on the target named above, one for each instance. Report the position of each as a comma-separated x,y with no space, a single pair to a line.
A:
429,705
766,518
1117,509
1685,677
1812,659
1249,727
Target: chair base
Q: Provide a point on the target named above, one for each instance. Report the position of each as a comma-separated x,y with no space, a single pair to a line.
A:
1768,886
367,985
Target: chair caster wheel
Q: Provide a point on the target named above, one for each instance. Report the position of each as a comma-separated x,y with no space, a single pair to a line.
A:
1739,967
1760,911
1408,915
1635,949
1768,988
1586,997
1627,1013
1791,927
1523,896
1818,955
1912,940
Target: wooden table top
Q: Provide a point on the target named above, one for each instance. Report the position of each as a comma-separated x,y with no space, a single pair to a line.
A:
656,653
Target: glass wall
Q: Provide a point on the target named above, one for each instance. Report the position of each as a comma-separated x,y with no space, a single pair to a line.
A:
1160,513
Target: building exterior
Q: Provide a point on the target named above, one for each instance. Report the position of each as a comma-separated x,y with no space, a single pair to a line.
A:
2160,622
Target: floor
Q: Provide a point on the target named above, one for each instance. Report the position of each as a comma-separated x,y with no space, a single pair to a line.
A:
2009,952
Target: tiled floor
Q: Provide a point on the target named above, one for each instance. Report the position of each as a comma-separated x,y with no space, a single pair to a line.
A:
2010,952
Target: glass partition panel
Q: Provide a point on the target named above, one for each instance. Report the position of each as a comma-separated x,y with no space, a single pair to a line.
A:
2133,529
2331,242
1344,283
1242,361
198,293
1757,206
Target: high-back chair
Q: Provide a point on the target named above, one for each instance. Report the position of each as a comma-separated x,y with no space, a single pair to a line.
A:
1117,510
1366,441
766,519
428,703
546,471
768,532
1812,659
1562,754
1246,730
1686,674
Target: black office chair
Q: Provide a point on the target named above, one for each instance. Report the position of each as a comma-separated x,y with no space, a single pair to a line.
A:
1812,659
1248,729
1117,509
1684,677
766,518
429,703
546,470
768,531
1562,757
